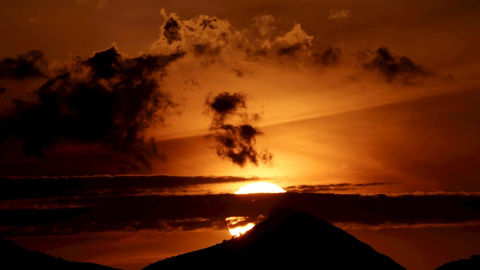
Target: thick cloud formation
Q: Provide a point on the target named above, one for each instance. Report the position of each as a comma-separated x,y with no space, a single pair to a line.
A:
225,104
216,40
235,142
396,68
31,65
171,30
106,102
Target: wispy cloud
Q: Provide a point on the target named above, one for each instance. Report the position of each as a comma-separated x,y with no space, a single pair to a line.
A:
332,187
65,189
337,14
389,225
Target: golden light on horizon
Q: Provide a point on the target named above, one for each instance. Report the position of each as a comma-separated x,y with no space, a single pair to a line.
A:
237,230
260,187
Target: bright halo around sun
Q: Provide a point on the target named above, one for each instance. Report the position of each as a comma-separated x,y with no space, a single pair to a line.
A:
260,187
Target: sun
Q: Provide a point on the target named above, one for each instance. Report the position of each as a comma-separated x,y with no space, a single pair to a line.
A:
260,187
238,225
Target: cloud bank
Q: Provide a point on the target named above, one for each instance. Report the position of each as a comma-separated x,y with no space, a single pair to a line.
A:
121,213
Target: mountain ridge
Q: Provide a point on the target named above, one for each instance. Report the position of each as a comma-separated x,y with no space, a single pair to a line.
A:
15,257
288,238
463,264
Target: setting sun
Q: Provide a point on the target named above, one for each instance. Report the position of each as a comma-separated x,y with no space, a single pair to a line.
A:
238,225
260,187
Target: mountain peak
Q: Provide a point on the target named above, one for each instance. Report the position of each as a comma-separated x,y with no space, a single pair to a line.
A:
287,238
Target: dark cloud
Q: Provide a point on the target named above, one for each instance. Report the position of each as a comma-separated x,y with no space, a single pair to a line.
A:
235,142
33,217
2,90
330,56
209,22
331,187
106,101
94,186
203,36
171,30
290,50
396,68
121,213
225,103
28,66
205,49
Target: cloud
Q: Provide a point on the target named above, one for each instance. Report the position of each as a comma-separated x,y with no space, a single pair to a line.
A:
294,42
2,90
329,57
101,186
209,40
339,14
104,102
31,65
388,225
214,40
263,24
117,130
235,142
226,104
396,68
121,213
201,35
331,187
171,30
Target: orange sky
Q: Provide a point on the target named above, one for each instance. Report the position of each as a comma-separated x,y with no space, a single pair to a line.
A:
326,118
348,97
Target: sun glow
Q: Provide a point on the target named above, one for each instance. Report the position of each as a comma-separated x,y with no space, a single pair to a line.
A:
237,231
260,187
237,226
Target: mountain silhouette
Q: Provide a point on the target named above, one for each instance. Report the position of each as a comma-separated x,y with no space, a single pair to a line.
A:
15,257
464,264
287,239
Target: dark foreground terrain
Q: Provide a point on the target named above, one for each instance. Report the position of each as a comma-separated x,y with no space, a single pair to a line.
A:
14,257
287,239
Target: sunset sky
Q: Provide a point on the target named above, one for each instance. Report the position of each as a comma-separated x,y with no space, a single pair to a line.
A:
127,126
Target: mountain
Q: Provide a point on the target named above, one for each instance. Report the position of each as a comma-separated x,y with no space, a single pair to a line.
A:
287,239
464,264
15,257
